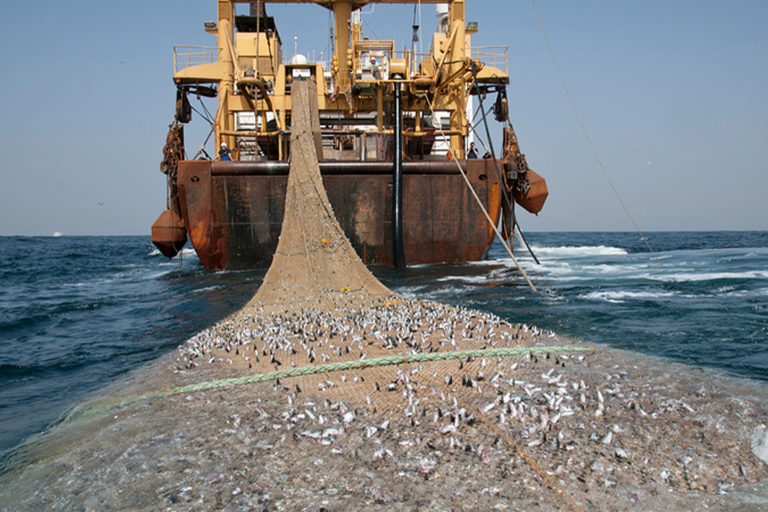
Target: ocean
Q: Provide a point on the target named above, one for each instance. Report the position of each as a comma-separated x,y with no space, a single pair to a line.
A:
77,313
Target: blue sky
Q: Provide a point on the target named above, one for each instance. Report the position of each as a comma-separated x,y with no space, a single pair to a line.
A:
673,94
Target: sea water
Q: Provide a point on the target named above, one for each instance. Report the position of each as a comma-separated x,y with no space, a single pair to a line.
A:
76,313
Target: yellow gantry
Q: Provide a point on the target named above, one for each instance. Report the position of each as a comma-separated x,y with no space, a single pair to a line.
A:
358,83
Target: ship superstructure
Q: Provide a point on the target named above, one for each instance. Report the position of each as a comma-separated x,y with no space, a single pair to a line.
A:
395,130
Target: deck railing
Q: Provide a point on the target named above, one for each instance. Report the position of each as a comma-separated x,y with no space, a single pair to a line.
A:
186,56
495,56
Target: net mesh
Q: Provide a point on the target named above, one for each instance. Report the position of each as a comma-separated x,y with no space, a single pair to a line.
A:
314,265
319,304
523,419
548,431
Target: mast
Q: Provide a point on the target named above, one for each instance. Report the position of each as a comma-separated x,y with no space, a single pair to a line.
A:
224,119
342,9
455,62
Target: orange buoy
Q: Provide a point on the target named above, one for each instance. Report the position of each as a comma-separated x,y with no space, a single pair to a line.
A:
533,199
169,234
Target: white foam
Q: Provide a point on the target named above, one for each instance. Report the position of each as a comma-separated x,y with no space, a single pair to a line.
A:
579,251
446,293
466,279
488,262
412,290
759,292
421,265
709,276
612,269
622,295
186,251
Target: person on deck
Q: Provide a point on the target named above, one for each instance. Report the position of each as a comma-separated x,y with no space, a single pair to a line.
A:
472,153
225,154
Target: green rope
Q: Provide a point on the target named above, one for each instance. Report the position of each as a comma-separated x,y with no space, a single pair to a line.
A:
337,367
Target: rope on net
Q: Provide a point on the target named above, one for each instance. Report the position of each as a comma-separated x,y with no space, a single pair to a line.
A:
335,367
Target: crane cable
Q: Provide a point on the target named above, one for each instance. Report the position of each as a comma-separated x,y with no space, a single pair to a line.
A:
479,202
516,224
505,193
589,139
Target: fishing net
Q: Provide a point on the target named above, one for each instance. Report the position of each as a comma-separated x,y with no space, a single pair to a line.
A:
314,264
322,320
410,387
329,392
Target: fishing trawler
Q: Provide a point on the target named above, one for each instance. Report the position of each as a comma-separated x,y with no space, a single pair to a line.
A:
396,128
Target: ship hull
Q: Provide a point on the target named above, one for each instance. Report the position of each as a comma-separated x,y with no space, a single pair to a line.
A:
233,211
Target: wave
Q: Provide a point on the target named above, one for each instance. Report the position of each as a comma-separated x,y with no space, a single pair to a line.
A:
622,295
709,276
579,251
747,294
10,371
411,290
466,279
487,262
186,251
207,289
562,270
603,270
46,311
446,293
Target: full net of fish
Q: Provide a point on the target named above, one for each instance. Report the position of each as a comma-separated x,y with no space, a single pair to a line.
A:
397,402
530,420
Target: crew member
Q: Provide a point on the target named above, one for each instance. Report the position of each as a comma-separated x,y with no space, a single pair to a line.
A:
472,153
225,154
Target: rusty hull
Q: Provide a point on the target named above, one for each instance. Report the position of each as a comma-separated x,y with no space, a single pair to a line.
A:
233,211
